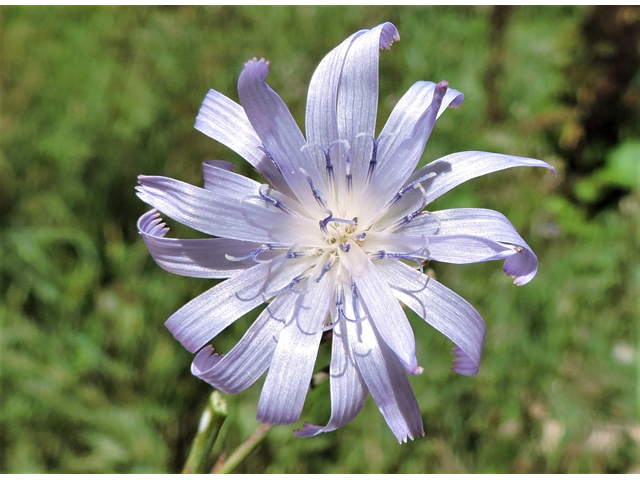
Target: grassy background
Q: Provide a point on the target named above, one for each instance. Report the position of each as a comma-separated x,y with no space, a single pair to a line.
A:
91,97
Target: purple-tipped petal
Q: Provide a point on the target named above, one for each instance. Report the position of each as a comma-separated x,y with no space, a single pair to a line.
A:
348,390
467,235
251,356
228,216
409,110
202,258
457,168
441,308
381,306
279,132
357,103
385,378
287,383
406,145
225,121
462,363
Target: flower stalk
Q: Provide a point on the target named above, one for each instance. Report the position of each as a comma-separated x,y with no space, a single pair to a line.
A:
229,464
213,416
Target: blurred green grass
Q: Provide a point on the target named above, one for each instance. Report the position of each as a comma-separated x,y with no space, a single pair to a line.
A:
92,382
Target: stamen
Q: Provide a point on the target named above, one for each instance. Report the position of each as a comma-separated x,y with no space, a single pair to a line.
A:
347,161
327,158
345,247
266,152
340,305
253,255
408,218
381,254
361,236
374,154
293,254
292,284
411,186
331,218
325,269
316,193
276,203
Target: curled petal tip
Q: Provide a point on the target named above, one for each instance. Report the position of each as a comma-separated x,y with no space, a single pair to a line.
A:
442,86
417,370
389,35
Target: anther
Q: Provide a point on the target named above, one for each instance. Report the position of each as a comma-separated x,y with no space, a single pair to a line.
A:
276,203
331,218
340,305
327,159
253,255
325,269
374,155
413,185
381,254
292,284
347,161
316,193
266,152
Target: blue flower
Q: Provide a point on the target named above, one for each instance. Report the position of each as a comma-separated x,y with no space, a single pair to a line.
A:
334,241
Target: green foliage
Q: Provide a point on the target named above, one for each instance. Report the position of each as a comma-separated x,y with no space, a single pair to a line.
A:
92,382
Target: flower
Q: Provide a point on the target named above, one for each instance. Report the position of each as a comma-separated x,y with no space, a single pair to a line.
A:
334,242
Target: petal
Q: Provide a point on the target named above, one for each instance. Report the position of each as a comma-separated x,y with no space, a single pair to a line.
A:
223,181
348,390
225,121
465,235
409,112
357,102
441,308
207,315
226,213
251,356
321,123
382,306
403,154
385,378
395,243
457,168
279,132
290,373
202,258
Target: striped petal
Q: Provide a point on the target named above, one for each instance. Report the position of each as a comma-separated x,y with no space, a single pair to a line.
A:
441,308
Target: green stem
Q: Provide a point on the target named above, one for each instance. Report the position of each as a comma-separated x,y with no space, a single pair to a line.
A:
211,420
240,453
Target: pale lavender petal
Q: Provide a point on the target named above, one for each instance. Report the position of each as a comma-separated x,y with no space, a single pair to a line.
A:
321,118
441,308
357,103
457,168
401,158
225,215
224,182
251,356
465,235
207,315
385,378
395,243
348,390
225,121
279,133
202,258
408,112
382,307
287,383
